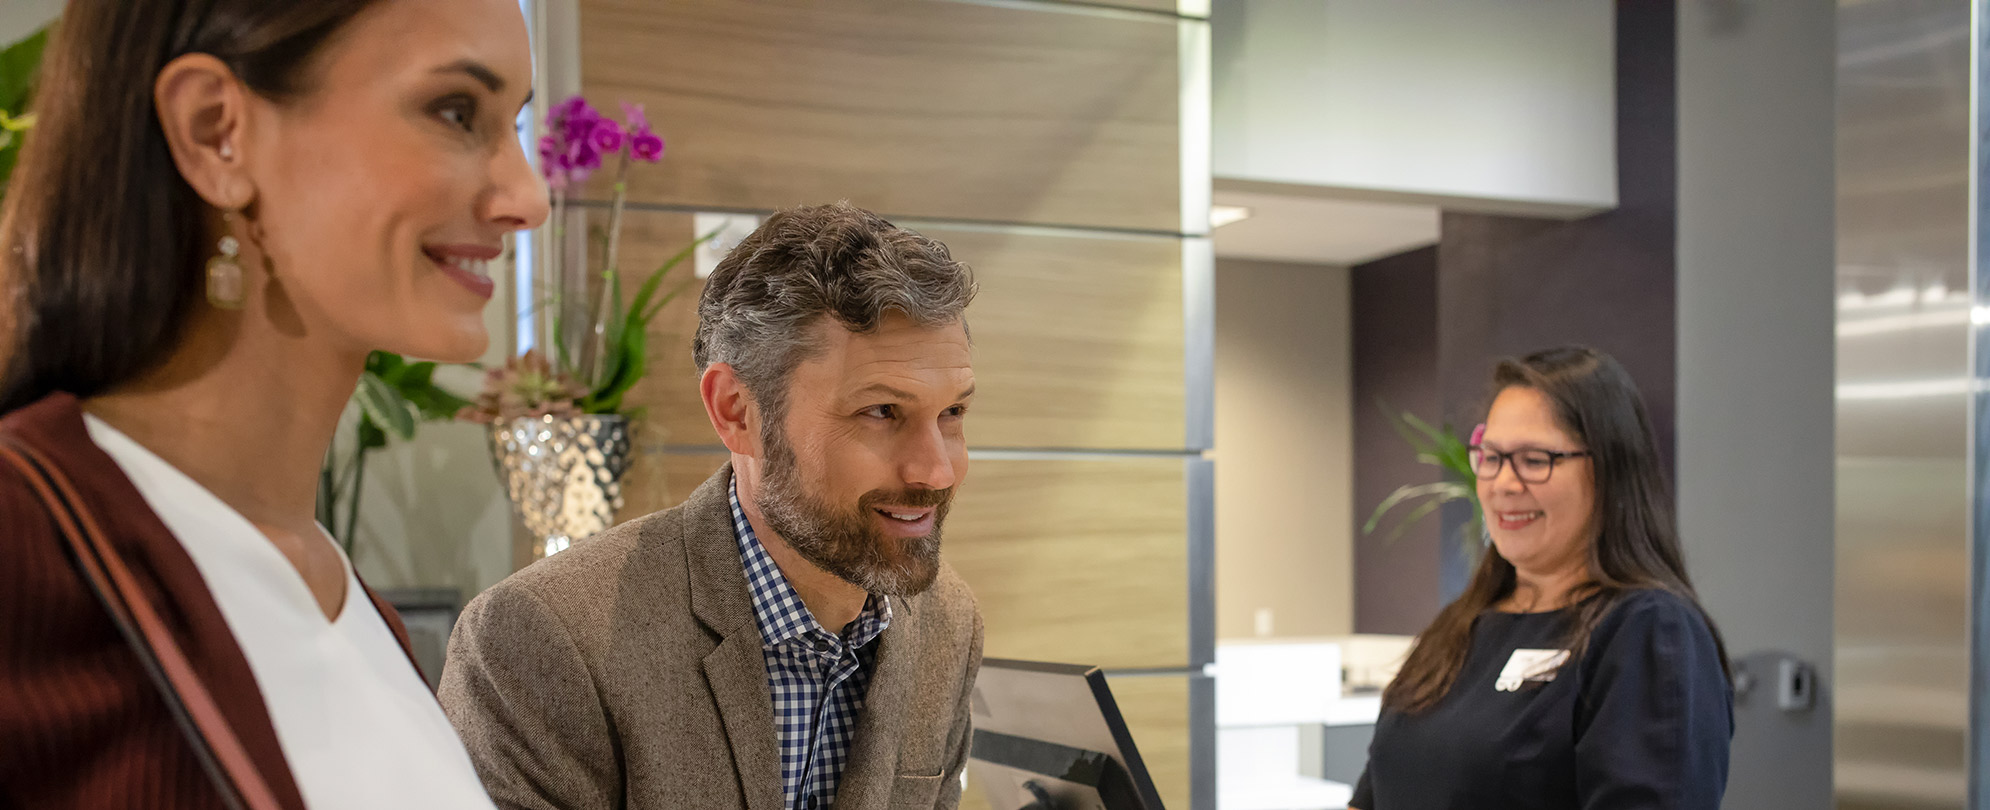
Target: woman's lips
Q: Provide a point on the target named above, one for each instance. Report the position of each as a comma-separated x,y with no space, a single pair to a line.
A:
468,265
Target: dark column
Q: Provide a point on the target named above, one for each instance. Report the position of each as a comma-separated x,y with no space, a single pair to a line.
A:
1394,306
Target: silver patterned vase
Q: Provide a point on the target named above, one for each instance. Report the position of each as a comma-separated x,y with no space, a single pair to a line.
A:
563,474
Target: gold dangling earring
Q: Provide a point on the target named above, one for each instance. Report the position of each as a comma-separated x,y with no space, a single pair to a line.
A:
225,289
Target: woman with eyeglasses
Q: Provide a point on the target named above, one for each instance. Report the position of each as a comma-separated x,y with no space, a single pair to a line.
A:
1578,669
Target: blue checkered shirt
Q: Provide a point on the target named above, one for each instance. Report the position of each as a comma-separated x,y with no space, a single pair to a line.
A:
818,678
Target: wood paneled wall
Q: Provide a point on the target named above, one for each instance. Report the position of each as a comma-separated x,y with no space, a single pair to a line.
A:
906,107
1042,143
1078,340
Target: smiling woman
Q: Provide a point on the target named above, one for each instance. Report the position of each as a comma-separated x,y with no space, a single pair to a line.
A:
227,206
1577,669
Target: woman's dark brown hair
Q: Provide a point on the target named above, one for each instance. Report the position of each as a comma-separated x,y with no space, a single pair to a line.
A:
102,242
1637,540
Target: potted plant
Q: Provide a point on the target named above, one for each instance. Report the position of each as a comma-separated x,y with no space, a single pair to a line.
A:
559,426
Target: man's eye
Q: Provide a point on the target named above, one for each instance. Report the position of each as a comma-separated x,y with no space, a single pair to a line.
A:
880,412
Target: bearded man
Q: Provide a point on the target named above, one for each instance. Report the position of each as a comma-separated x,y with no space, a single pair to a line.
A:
787,638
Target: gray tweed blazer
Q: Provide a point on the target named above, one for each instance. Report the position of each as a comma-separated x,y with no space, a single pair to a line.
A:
626,672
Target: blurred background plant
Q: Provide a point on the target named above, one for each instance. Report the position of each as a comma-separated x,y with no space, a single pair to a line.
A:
1440,448
393,398
20,63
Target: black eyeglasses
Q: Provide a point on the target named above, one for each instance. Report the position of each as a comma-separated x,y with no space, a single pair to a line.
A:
1531,466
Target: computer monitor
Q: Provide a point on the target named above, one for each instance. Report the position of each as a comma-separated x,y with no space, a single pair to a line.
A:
1049,737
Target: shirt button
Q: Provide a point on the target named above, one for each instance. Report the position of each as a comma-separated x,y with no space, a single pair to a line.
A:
821,644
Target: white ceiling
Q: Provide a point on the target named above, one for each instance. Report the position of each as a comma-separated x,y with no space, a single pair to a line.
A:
1322,231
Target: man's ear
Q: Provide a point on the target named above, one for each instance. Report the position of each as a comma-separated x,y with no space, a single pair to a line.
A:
204,114
734,414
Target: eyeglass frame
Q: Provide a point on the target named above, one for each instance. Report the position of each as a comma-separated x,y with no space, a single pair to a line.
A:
1477,452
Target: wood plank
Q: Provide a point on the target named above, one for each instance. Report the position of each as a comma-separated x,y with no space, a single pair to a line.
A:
659,481
1078,339
906,107
1081,562
1156,711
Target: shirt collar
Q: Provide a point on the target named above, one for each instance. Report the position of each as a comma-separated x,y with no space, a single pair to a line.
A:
778,610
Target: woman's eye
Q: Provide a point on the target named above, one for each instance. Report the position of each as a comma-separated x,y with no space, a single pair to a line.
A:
460,112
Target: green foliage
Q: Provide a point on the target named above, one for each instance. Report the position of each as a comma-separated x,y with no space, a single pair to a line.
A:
1440,448
626,341
19,65
394,396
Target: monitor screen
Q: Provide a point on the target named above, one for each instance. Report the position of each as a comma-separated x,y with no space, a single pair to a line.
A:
1049,737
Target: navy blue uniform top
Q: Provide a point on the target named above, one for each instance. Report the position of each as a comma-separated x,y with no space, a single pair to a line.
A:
1641,721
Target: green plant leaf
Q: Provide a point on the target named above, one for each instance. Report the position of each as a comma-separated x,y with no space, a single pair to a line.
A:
1416,439
626,338
634,360
20,64
385,406
435,403
1441,490
369,436
641,308
415,382
1413,517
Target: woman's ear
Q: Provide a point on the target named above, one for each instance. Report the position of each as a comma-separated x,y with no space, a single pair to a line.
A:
203,110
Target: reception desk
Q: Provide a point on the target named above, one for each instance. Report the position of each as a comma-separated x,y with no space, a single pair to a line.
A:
1294,717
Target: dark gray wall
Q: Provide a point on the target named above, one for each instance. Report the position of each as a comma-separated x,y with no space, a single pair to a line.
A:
1394,309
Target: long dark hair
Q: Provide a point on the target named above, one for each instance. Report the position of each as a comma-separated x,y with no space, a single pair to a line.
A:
101,240
1637,539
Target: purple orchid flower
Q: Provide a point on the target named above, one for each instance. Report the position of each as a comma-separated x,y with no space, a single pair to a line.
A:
644,144
580,140
646,147
607,136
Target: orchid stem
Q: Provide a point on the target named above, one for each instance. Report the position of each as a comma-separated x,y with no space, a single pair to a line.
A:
600,349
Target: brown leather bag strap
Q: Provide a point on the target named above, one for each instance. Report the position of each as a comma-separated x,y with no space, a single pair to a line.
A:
221,753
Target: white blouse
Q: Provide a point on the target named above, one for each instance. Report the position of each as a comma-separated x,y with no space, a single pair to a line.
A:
357,723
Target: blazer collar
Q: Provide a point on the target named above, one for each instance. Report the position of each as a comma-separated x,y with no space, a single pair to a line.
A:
736,670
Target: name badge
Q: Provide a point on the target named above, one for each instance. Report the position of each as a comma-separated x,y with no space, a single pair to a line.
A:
1530,665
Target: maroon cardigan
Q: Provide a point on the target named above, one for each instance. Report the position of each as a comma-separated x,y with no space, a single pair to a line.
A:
81,725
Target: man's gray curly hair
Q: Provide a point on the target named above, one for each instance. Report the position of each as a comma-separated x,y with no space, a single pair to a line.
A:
836,260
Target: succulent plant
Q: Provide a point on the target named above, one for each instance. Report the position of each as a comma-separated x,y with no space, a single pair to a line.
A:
527,386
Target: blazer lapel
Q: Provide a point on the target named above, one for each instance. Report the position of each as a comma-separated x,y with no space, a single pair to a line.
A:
736,671
869,774
737,674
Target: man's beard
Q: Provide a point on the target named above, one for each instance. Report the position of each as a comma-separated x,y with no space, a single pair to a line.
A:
847,542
